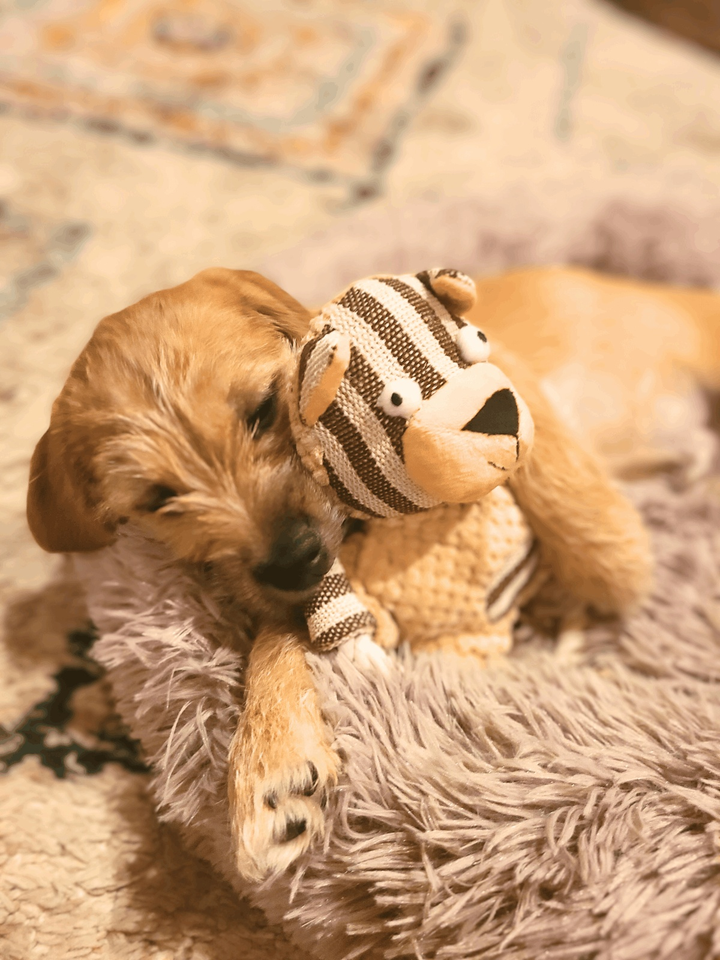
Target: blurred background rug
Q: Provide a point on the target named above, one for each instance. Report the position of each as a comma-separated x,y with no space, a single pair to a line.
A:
321,86
140,143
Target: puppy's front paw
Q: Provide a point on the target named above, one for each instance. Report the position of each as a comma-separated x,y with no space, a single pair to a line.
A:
278,794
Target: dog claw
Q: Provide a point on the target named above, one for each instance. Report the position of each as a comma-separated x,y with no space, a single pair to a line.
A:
279,812
310,790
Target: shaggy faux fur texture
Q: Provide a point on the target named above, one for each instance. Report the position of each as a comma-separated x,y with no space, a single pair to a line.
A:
565,804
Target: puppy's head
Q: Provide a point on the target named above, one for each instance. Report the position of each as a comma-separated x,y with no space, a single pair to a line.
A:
174,417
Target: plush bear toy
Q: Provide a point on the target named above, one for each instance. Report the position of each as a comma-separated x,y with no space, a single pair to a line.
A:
399,413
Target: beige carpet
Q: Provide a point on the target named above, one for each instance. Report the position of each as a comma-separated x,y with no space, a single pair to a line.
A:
102,201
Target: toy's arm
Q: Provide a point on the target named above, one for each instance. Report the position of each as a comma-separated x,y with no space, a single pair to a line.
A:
336,613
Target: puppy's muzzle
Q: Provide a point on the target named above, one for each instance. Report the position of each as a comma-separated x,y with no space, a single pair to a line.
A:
298,558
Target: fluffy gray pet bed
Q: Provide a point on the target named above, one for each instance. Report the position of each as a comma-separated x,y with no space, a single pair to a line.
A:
564,805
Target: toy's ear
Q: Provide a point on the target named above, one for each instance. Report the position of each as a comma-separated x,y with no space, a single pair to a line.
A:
453,289
323,362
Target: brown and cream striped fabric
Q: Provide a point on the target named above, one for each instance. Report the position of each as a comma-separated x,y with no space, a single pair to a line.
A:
512,580
335,613
399,330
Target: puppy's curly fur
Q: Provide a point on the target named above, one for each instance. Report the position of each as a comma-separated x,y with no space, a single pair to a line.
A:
175,418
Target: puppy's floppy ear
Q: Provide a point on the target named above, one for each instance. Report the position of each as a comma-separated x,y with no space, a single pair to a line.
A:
322,366
262,296
59,511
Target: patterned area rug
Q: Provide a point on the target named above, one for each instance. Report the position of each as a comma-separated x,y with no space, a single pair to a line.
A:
324,86
73,730
540,112
34,251
87,870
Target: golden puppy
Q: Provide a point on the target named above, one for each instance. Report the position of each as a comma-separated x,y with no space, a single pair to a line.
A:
621,364
175,418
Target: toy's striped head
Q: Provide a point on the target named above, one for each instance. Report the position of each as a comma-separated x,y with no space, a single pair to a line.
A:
398,403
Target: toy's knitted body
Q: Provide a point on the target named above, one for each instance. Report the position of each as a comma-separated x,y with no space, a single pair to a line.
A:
450,577
400,414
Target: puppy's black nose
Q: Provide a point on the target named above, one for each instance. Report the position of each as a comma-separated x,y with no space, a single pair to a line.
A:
499,414
298,560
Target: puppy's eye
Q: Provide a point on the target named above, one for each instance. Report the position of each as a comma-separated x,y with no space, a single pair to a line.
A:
400,398
472,344
158,496
263,416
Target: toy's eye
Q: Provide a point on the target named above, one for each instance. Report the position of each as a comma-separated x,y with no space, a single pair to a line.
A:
400,398
472,345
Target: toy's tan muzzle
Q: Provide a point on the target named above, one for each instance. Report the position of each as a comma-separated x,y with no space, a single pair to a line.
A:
468,437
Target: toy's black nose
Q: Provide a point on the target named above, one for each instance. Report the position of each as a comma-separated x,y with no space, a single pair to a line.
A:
298,559
499,414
